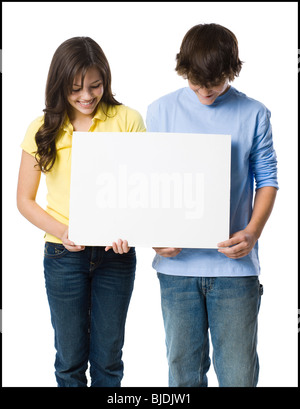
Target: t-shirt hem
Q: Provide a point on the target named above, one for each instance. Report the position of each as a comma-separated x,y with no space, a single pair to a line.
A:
234,273
51,239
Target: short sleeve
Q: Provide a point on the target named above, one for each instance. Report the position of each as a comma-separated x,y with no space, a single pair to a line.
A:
29,144
134,122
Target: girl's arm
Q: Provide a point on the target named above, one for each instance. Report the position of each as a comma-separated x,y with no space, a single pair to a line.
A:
28,183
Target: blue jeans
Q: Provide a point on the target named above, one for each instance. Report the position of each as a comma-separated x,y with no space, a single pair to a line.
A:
228,306
89,293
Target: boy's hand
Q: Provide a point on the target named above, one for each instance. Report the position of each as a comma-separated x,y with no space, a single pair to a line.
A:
239,245
167,251
243,241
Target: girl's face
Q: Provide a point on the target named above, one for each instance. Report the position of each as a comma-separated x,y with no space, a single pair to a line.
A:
84,100
208,96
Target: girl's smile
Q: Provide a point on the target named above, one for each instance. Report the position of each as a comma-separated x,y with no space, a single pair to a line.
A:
87,104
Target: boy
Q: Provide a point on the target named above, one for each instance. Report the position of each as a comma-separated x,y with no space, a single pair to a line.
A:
217,288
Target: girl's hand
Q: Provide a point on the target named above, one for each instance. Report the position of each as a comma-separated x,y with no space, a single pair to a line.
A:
120,247
69,245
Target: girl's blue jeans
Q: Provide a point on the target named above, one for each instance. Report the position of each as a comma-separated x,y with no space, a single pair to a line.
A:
89,293
228,306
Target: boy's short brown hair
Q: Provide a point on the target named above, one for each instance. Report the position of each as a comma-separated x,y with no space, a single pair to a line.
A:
208,55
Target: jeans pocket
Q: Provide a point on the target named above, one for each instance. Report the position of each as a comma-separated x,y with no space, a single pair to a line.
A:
54,250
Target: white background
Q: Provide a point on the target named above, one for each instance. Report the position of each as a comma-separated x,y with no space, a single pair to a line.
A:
140,41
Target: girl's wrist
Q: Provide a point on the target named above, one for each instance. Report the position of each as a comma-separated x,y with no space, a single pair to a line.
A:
61,231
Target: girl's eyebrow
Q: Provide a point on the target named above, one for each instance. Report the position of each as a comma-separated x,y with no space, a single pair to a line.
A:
76,85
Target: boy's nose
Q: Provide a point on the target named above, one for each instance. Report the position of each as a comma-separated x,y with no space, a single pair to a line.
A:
205,92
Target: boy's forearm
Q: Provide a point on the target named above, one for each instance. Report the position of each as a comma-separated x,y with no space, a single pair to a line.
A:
262,208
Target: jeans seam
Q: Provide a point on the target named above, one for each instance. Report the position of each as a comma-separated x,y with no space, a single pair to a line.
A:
201,370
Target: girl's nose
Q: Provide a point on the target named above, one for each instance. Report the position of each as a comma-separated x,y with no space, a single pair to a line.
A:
86,94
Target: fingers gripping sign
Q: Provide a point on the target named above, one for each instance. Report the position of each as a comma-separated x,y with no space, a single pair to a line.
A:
239,245
119,247
68,244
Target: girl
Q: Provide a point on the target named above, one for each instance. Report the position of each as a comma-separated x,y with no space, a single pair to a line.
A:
88,288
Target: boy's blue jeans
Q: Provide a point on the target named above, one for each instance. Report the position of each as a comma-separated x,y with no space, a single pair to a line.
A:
89,293
228,306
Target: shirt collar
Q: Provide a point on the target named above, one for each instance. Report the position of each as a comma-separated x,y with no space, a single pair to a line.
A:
219,99
67,126
100,112
100,115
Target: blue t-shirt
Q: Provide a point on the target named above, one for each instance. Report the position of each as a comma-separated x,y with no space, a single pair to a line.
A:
253,158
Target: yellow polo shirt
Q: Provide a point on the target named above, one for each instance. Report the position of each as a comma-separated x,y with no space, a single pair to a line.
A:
119,119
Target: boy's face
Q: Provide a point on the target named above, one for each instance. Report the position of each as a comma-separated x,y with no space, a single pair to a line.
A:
207,96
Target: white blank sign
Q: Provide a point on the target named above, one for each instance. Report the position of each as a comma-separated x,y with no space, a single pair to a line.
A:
150,188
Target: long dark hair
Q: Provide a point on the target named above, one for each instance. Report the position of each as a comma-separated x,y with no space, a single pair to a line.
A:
73,56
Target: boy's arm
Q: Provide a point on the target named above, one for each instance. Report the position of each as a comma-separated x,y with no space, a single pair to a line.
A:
241,243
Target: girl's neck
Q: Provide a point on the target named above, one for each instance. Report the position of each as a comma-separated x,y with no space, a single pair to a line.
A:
81,123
